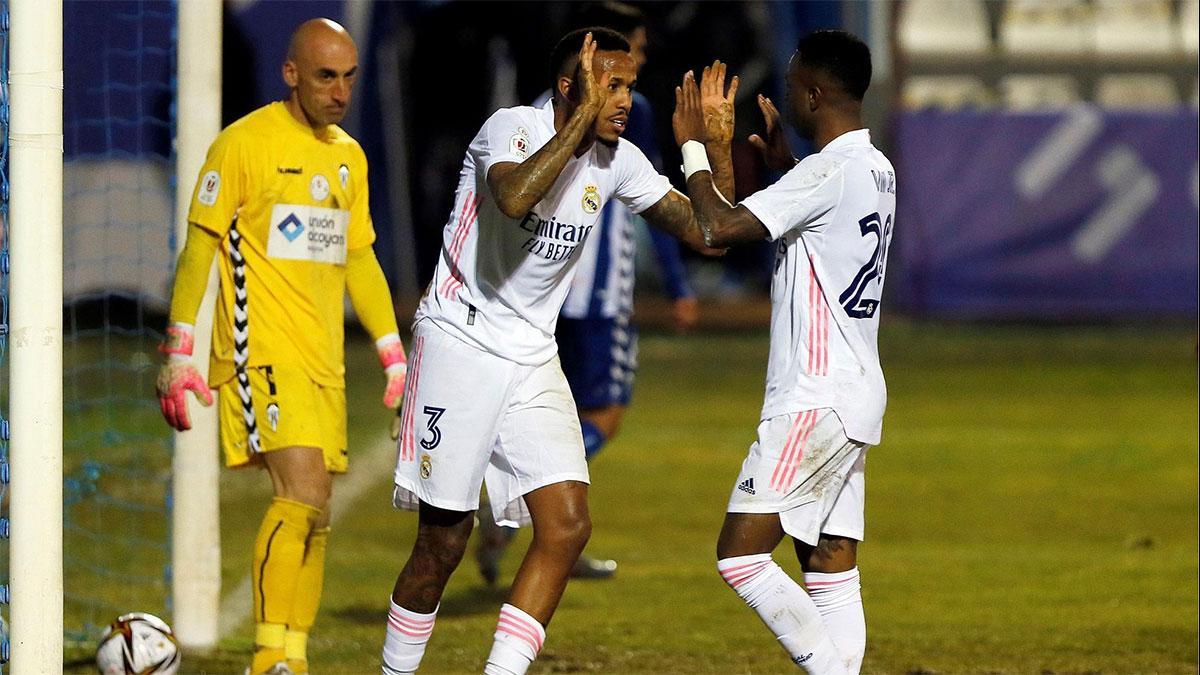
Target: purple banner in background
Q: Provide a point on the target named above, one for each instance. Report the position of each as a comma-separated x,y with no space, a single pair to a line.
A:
1082,214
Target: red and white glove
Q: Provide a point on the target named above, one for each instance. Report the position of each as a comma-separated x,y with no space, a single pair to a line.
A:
178,376
395,366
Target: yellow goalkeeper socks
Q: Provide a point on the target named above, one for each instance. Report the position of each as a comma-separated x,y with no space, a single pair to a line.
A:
307,599
268,646
278,559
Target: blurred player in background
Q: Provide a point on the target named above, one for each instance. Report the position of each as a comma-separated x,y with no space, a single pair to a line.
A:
283,199
597,340
832,215
487,399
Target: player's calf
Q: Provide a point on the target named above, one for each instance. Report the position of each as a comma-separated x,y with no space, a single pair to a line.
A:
441,541
561,528
786,610
831,579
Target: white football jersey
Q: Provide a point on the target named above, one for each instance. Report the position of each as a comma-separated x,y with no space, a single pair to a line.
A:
832,215
500,282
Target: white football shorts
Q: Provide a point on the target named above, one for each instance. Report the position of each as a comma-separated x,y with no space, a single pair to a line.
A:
805,469
470,417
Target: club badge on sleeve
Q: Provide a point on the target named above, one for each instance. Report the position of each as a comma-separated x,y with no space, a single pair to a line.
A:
210,187
519,143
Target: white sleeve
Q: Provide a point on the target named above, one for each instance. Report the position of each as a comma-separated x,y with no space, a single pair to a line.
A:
503,138
639,184
800,199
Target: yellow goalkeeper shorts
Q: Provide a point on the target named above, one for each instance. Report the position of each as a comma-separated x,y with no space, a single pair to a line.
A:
290,409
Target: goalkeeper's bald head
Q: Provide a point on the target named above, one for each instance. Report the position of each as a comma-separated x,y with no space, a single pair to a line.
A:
321,67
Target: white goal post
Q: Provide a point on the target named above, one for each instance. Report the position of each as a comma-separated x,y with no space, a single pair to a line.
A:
35,371
195,490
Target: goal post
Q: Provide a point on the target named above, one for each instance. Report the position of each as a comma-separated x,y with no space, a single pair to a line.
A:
195,491
36,343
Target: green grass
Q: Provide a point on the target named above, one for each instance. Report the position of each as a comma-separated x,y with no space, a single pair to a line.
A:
1032,508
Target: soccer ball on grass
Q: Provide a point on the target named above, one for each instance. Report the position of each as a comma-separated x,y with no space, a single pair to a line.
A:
137,644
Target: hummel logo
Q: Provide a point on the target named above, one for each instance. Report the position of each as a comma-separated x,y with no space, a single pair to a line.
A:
799,660
747,486
290,169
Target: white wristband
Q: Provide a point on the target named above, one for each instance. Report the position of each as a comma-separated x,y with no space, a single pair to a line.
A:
695,158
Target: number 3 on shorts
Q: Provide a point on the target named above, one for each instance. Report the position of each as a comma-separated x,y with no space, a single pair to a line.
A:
435,436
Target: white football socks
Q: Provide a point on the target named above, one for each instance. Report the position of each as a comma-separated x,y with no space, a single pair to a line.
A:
839,599
786,609
407,634
519,638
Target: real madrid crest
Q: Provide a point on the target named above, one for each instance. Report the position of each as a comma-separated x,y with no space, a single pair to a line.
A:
591,199
426,466
318,187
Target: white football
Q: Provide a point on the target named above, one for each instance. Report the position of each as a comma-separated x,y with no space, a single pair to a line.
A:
137,644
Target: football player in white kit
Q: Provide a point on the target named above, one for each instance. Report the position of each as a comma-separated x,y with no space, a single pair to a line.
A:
486,398
832,215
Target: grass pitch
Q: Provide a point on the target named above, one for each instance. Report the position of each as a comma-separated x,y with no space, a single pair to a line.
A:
1032,509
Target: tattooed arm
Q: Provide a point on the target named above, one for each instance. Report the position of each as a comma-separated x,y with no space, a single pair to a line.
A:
673,214
517,187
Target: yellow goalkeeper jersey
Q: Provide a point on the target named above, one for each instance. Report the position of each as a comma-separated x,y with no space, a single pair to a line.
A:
288,205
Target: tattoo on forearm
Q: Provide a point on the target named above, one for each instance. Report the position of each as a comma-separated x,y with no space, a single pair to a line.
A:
673,214
723,225
721,159
524,185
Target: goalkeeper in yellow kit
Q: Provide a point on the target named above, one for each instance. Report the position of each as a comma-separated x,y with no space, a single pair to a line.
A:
282,204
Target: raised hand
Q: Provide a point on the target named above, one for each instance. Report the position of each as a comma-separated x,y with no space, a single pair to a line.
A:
688,119
593,90
716,103
774,148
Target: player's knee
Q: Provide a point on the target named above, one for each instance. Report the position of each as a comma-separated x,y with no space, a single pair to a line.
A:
830,555
439,551
569,532
448,548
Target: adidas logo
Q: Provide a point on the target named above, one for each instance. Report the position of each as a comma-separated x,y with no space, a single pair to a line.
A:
747,486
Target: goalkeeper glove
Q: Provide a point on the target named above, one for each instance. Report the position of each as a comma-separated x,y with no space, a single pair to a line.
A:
178,376
395,366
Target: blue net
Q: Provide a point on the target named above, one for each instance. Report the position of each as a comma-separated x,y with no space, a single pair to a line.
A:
117,241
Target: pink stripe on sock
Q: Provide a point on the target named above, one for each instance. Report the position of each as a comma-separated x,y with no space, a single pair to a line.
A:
507,627
534,631
811,584
739,579
735,568
409,632
415,624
